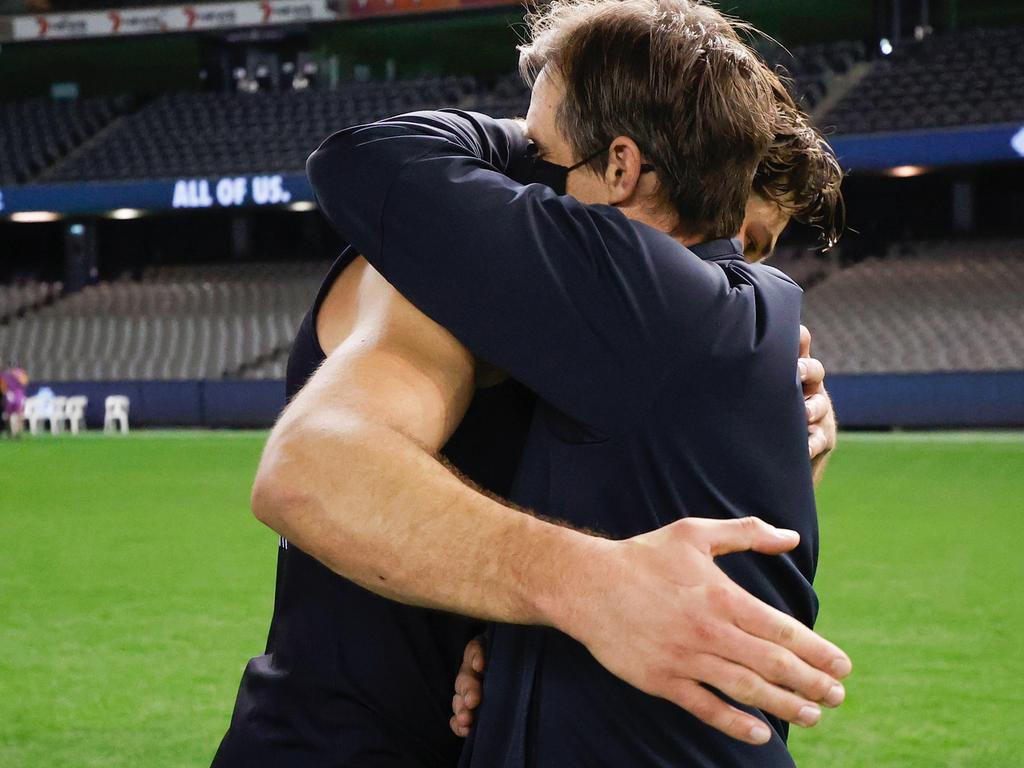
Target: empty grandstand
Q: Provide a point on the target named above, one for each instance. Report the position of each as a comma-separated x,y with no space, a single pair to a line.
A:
968,78
206,133
925,307
178,323
36,133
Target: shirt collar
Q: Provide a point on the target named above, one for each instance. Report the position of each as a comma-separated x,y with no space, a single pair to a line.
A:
717,249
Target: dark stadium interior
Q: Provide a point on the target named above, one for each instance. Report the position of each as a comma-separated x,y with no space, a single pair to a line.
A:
151,110
956,79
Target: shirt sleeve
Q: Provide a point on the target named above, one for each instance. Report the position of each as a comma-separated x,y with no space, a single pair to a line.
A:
577,302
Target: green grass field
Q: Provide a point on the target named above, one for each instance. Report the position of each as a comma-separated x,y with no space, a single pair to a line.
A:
134,585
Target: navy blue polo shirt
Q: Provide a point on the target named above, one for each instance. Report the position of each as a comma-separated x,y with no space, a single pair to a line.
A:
667,385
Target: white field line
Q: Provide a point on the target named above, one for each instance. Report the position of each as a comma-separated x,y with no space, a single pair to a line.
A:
932,437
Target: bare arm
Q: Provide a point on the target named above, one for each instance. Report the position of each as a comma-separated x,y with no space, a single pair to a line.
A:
349,475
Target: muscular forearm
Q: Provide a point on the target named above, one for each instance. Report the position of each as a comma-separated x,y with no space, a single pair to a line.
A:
375,507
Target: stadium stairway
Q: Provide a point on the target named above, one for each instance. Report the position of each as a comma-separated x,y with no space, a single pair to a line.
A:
54,171
838,87
21,300
38,133
974,77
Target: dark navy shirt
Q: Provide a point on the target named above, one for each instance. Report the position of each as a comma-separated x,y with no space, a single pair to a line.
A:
350,679
668,384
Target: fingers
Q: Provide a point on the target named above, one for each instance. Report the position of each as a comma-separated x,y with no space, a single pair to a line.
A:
707,707
785,669
818,441
474,655
462,715
817,407
748,687
773,663
462,731
812,373
805,342
720,537
776,627
468,688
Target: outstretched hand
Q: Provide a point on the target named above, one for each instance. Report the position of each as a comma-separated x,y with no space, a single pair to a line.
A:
666,619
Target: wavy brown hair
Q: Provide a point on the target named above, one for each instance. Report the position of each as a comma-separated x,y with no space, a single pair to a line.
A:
704,108
800,172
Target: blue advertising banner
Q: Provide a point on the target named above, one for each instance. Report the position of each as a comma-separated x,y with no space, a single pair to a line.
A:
168,194
955,146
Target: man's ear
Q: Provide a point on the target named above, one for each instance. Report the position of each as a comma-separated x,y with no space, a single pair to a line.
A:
623,172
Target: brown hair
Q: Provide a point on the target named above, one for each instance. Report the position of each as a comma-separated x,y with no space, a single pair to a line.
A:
675,77
800,172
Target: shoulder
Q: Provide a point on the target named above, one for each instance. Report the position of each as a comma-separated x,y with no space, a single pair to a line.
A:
772,274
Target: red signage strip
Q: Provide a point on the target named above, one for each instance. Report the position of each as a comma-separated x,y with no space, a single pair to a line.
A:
203,16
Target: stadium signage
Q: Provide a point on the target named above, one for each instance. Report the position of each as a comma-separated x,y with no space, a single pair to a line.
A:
136,22
115,22
230,192
169,18
158,195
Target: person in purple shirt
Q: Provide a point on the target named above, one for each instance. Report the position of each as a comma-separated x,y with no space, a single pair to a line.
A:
13,384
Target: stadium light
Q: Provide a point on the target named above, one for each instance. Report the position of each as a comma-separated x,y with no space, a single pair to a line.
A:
124,214
34,217
907,171
302,205
1017,142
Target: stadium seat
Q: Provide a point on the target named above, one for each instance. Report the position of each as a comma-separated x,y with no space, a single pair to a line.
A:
75,413
115,418
58,414
34,415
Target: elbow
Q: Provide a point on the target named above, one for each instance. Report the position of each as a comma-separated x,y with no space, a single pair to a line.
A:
329,164
265,501
276,491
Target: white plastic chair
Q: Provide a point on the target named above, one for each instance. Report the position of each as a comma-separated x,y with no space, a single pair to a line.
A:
58,414
116,414
75,412
34,415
